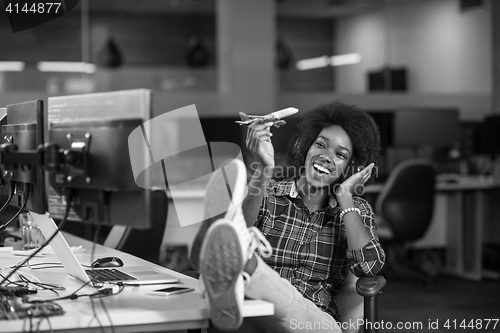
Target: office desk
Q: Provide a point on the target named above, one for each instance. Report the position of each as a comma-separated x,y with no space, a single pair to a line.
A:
462,211
130,311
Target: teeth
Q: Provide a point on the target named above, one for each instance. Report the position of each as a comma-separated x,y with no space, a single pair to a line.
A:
321,169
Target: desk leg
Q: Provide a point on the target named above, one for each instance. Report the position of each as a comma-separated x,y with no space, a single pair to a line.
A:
456,250
482,207
464,255
476,249
454,262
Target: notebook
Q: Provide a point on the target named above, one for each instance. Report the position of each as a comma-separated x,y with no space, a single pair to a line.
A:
138,275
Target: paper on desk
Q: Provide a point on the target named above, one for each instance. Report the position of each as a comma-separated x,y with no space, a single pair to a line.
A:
6,249
47,251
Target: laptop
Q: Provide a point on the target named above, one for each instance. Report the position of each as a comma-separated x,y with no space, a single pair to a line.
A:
133,275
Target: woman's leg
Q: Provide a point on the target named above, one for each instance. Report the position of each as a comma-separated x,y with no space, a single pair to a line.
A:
292,311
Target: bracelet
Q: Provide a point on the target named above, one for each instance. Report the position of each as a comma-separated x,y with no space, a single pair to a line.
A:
347,210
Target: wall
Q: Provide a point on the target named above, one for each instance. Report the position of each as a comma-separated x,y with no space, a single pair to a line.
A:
306,38
446,51
461,79
473,107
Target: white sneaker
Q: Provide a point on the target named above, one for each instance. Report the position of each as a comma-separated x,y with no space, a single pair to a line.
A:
227,246
221,265
225,192
226,189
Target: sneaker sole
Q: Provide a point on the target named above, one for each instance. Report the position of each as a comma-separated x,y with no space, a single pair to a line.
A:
220,268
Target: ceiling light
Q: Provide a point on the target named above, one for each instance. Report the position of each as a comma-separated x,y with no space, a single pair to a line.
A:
66,66
11,66
324,61
345,59
312,63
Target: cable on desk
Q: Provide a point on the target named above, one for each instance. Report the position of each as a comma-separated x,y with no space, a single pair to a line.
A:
26,196
48,322
11,195
45,265
111,325
96,316
103,305
101,293
105,292
42,286
69,200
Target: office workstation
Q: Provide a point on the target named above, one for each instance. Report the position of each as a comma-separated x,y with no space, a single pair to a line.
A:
131,309
77,156
426,71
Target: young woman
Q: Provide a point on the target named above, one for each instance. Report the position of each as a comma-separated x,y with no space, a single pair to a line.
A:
315,223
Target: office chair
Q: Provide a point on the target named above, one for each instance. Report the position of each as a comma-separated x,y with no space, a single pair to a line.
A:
404,211
145,243
357,300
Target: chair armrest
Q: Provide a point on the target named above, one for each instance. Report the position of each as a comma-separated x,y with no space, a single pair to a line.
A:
368,286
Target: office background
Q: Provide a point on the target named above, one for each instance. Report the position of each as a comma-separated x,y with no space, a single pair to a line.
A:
231,56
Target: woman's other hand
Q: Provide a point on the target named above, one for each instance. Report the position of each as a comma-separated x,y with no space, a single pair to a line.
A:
355,183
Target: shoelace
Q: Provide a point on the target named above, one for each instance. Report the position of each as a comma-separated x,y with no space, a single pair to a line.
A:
246,278
260,243
256,240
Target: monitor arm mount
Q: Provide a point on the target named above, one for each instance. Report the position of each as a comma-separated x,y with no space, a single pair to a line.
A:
71,163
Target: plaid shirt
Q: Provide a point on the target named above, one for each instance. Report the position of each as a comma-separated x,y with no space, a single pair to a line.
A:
310,249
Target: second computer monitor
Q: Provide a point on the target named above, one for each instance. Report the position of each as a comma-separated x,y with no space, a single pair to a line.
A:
93,130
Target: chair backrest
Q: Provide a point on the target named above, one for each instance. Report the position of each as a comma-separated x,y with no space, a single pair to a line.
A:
406,202
145,243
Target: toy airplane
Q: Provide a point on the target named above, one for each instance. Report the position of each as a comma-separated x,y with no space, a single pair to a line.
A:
275,117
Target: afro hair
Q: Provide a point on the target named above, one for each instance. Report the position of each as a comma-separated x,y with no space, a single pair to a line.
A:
358,124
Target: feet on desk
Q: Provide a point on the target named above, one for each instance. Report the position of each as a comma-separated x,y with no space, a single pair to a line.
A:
226,249
225,192
221,265
227,246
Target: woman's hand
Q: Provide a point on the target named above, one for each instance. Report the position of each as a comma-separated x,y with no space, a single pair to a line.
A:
354,184
258,141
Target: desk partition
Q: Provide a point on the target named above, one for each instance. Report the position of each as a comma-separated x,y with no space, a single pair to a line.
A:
462,211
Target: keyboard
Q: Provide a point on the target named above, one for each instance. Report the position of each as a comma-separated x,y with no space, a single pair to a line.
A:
108,275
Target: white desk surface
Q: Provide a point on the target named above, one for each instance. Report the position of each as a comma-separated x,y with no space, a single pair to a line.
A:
464,184
130,311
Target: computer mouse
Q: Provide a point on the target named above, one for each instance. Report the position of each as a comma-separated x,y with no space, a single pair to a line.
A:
107,262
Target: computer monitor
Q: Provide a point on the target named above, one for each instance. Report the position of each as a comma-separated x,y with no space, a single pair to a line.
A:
94,130
436,127
4,190
491,134
22,127
222,129
385,122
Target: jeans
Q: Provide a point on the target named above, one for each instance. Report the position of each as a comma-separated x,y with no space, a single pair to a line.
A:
292,311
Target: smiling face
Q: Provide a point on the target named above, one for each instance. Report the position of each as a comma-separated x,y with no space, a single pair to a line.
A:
328,157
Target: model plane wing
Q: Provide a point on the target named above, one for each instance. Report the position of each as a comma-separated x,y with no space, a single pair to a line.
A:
275,117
